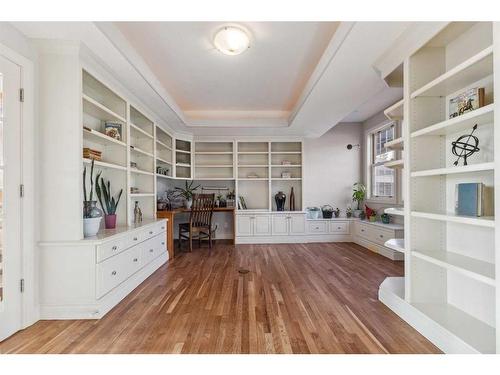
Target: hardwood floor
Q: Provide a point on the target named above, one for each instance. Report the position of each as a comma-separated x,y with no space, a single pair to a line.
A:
297,298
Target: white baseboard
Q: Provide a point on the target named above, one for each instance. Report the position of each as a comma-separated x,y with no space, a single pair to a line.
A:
107,302
294,239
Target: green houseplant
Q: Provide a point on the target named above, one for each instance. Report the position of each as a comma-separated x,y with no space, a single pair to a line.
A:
187,193
358,195
92,215
110,205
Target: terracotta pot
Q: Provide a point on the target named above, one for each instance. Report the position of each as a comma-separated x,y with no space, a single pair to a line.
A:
110,221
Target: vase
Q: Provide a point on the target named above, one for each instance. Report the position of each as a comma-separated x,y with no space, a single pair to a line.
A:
91,226
280,199
90,210
188,203
357,213
110,221
292,200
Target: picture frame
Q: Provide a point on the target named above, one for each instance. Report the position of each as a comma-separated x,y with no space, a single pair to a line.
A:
468,100
113,130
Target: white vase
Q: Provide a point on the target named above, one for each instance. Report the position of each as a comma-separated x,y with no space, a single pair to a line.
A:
356,213
188,203
91,226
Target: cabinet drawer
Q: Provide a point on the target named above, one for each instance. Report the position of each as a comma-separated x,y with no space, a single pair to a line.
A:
318,227
339,227
117,269
111,248
380,236
363,231
153,248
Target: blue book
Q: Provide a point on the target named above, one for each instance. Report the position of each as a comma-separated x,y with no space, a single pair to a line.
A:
469,199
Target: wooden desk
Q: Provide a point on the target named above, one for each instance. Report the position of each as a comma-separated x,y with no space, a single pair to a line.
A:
170,224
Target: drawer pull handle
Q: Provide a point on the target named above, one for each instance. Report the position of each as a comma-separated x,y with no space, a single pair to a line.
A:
150,232
339,227
162,227
113,273
151,250
362,230
114,247
381,236
163,243
135,259
135,238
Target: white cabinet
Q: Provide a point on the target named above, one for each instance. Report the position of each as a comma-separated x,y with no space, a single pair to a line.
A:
288,224
85,279
374,235
262,225
253,225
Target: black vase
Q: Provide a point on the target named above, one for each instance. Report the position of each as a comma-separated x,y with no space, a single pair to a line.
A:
280,199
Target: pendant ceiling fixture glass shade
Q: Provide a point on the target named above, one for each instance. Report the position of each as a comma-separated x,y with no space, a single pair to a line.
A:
231,40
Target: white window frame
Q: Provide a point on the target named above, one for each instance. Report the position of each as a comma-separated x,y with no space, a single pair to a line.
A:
369,152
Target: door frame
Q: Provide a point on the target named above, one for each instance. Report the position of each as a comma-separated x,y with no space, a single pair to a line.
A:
29,212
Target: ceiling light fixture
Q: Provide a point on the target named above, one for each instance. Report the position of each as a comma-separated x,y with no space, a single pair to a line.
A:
232,40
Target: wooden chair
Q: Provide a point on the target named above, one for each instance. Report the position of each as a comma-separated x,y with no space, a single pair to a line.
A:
200,221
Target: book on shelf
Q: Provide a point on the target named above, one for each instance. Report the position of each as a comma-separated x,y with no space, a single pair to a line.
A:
242,205
89,153
113,130
469,199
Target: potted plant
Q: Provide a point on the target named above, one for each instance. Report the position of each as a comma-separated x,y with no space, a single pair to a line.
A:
371,214
386,219
92,215
348,212
313,212
187,193
110,205
358,195
336,212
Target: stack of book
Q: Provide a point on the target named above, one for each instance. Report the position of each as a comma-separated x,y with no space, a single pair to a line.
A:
88,153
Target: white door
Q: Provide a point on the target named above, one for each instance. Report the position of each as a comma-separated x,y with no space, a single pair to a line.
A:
10,205
244,225
280,225
297,224
262,225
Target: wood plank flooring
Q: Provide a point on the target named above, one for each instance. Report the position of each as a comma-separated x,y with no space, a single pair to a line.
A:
297,298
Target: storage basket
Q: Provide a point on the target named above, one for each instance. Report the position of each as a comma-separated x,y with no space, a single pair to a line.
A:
327,211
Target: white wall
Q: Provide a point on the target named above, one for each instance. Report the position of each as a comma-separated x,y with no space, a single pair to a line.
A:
330,169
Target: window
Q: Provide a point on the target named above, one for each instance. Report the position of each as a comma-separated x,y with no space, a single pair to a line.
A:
382,179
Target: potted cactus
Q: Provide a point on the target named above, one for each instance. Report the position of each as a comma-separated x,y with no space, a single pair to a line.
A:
92,215
336,212
110,205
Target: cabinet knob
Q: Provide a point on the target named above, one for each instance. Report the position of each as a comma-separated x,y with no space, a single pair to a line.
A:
339,227
135,259
135,238
362,230
163,243
381,236
113,273
150,232
162,227
114,247
151,250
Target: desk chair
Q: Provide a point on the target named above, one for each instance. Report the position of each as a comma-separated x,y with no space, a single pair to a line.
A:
200,221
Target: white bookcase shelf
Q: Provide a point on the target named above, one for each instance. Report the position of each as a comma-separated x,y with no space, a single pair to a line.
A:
475,68
470,267
101,138
395,111
450,289
97,110
480,116
396,144
396,164
105,165
455,170
483,221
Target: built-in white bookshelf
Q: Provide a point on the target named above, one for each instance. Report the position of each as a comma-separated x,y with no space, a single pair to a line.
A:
265,168
214,160
450,278
183,159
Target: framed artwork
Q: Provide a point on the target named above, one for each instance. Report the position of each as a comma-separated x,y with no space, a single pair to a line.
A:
467,101
113,130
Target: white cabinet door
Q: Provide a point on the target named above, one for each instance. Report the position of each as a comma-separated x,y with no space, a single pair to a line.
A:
262,225
297,224
280,225
244,225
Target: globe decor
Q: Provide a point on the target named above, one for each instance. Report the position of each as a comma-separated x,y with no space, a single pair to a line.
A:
465,146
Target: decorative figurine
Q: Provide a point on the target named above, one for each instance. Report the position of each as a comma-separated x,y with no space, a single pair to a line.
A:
137,213
463,149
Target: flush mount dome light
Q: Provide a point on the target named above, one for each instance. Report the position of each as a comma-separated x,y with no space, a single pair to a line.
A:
231,40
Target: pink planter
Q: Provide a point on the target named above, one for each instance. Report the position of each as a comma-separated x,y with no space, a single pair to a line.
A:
110,221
